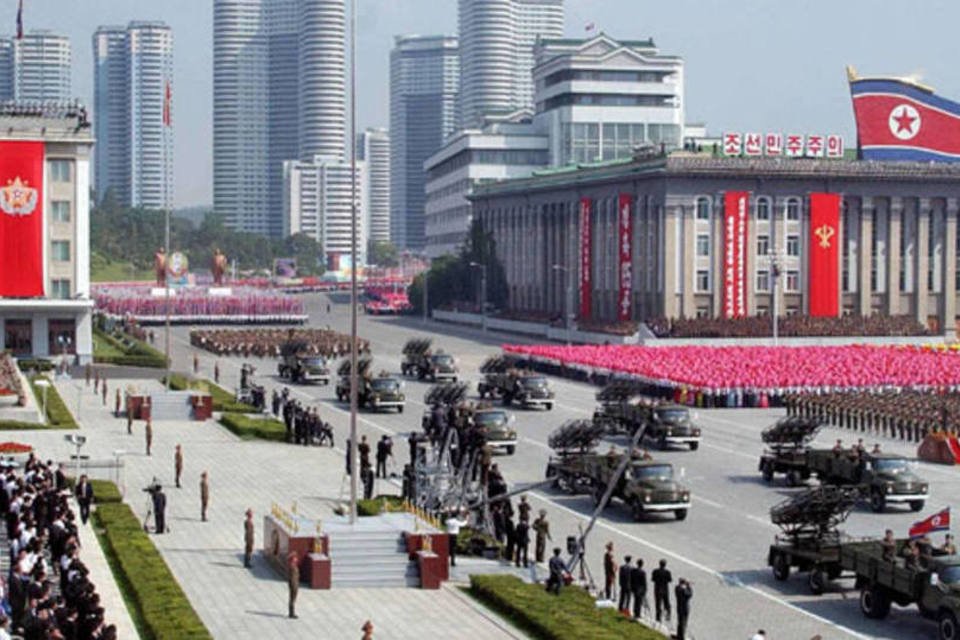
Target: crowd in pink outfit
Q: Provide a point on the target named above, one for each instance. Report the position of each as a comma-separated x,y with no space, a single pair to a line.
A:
773,369
197,305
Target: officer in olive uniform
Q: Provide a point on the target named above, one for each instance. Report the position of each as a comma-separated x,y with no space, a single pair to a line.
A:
293,582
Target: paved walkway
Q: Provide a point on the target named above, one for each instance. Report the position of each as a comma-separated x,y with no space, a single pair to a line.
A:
206,557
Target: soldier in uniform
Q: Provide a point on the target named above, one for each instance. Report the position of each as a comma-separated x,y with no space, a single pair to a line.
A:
204,495
248,538
542,529
178,464
609,571
116,404
148,434
293,582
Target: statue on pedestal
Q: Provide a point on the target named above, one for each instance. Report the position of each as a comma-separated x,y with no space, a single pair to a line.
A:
218,266
160,266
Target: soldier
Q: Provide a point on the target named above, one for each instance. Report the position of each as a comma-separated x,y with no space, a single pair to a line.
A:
609,571
116,404
148,433
216,372
204,495
178,464
889,545
196,364
522,535
129,415
248,538
293,582
104,390
542,529
838,448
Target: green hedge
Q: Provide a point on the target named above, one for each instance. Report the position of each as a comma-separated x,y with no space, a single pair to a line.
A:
158,606
223,400
374,507
39,364
254,428
125,350
104,491
570,616
58,416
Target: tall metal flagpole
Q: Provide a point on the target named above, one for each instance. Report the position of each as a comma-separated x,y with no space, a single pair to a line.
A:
354,378
166,286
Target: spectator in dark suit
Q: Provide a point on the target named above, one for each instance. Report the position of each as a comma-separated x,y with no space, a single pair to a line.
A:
624,581
84,494
638,585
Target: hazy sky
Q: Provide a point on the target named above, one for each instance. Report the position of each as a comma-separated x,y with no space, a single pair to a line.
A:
763,65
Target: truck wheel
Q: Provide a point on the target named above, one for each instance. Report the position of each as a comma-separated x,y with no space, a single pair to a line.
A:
793,479
549,406
878,501
662,443
510,450
916,505
817,581
766,468
680,514
947,626
694,446
636,509
874,602
400,409
781,567
834,571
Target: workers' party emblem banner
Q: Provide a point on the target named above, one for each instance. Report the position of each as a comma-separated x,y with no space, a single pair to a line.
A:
899,120
586,262
21,219
625,245
824,272
735,205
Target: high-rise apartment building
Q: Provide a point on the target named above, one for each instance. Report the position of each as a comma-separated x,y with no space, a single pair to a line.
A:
496,54
36,67
133,119
373,147
278,76
424,94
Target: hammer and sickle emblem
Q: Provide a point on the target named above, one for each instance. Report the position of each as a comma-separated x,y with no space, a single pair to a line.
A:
825,233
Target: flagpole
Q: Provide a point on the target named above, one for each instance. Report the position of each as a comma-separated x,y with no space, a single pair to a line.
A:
354,378
166,286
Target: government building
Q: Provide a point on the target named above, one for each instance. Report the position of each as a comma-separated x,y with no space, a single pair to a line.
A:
700,235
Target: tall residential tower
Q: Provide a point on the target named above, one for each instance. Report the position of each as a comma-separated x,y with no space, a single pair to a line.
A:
35,68
373,147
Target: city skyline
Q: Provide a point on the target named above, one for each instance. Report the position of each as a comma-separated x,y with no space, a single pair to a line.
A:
724,45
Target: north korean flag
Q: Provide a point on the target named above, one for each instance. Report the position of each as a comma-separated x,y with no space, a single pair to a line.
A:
899,120
939,521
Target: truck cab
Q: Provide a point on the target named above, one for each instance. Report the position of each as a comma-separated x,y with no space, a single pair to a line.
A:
496,425
304,368
530,391
646,486
443,367
885,477
672,424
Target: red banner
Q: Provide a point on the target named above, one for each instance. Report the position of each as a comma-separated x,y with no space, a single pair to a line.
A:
586,263
824,284
735,207
21,219
625,245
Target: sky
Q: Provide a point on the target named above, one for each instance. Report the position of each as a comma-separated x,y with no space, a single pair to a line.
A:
751,65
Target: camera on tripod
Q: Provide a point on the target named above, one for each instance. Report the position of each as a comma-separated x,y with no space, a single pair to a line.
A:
153,487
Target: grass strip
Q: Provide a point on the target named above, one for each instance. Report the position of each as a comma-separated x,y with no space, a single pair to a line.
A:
158,606
58,416
125,350
254,428
572,615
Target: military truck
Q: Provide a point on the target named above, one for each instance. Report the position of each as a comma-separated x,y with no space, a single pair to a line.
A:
787,442
298,365
934,585
418,360
373,392
646,487
496,426
572,443
503,378
884,478
624,408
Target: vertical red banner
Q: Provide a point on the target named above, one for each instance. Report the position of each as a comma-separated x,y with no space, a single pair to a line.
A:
586,261
824,269
21,219
625,248
735,208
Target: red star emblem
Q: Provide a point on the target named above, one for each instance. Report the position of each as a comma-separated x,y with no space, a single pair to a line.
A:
904,121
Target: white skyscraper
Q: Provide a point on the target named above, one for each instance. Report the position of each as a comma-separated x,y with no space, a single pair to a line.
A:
36,67
424,94
133,90
279,95
373,147
496,53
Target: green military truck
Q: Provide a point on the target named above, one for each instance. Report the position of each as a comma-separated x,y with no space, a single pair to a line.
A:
420,361
623,408
298,365
787,442
573,443
934,585
374,392
885,478
645,487
496,426
503,378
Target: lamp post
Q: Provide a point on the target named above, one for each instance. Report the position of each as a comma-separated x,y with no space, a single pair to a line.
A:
483,293
354,242
567,315
775,260
77,441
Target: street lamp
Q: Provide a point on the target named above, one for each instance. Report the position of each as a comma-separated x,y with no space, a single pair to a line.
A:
483,293
775,260
43,384
567,314
78,441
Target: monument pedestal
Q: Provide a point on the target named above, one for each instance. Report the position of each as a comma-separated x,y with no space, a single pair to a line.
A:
319,570
279,540
439,545
431,568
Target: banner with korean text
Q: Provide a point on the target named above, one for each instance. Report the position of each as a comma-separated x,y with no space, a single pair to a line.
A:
735,208
586,261
824,284
21,219
625,248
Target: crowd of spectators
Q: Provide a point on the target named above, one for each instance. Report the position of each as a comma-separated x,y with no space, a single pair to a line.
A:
793,326
267,342
10,384
47,594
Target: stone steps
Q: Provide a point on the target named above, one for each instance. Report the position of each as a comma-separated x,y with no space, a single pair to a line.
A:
371,559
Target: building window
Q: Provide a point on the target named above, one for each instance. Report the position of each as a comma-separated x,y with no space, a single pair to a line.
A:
793,280
60,289
59,170
703,280
703,245
60,210
703,208
763,209
793,245
61,336
60,250
763,245
18,336
763,280
793,210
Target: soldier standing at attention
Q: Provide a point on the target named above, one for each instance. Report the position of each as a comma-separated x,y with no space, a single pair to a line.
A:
542,529
116,404
293,582
204,495
129,415
148,434
216,372
104,394
178,464
248,538
196,364
609,571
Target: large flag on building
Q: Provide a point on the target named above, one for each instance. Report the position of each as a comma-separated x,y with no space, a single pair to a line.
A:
824,271
939,521
898,119
21,219
736,207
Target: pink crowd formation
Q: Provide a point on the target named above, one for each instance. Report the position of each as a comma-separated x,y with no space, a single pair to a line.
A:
772,369
244,304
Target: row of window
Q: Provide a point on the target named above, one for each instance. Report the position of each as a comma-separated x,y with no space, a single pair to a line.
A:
567,75
761,207
763,245
791,281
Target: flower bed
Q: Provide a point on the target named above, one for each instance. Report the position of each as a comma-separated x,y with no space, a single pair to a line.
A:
775,369
14,448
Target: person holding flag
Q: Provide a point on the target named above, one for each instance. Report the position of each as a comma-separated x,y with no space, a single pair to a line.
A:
939,521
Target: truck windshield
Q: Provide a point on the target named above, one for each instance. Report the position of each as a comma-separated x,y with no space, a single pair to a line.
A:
315,362
891,465
534,382
385,384
652,472
490,418
443,359
673,415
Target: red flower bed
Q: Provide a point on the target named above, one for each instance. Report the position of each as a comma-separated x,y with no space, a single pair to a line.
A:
759,368
8,448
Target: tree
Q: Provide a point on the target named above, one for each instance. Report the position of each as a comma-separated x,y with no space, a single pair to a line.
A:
480,248
382,254
308,253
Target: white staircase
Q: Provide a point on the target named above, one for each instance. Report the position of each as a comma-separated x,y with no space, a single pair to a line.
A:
371,558
171,405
